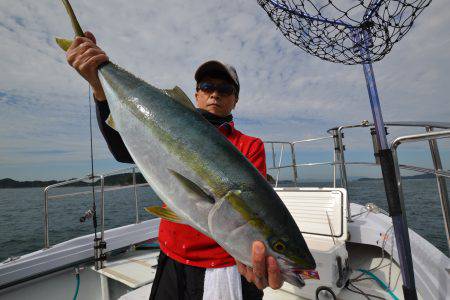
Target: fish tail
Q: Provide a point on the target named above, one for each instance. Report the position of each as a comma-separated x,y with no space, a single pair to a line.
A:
75,25
65,43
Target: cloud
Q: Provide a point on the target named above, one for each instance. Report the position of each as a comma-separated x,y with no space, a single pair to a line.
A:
286,93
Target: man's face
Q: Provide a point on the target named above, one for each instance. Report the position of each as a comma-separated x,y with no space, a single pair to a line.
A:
219,104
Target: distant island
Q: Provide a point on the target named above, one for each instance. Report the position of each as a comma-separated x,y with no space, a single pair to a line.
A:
127,179
119,179
420,176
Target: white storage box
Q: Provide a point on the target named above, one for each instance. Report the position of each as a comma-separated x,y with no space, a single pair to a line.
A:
321,215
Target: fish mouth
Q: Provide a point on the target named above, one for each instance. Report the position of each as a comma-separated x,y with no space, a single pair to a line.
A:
294,274
294,279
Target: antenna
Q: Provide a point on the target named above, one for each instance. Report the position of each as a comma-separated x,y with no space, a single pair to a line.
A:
331,227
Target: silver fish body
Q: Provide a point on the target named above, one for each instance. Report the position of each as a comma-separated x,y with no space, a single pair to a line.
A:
200,175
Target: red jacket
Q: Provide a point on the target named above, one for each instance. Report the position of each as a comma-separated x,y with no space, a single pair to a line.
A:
187,245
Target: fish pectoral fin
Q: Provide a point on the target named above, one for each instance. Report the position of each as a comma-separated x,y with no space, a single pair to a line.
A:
223,217
180,96
164,213
110,122
228,227
63,43
192,187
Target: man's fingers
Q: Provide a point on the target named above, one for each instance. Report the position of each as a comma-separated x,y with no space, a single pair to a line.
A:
248,274
261,283
274,274
83,47
241,268
90,36
93,62
76,41
265,271
75,53
245,271
82,62
259,259
91,52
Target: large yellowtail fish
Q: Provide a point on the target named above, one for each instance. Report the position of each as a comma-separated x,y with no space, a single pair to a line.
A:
204,180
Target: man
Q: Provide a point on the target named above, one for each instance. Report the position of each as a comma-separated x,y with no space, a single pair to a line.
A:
189,261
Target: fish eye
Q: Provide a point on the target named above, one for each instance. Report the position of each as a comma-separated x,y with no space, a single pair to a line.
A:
279,246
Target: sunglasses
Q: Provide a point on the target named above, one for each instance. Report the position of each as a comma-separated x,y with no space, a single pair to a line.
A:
223,88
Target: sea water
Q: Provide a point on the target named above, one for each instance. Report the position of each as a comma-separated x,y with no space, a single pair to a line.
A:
22,212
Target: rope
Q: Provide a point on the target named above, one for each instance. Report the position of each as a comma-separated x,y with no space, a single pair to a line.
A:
77,288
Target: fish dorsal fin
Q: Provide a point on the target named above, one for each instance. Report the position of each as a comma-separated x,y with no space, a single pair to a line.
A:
164,213
180,96
192,187
110,122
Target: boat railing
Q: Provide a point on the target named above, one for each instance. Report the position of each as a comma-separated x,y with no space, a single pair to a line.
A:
339,163
431,136
278,166
101,189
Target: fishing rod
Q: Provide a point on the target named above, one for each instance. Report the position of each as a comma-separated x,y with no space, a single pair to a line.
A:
99,243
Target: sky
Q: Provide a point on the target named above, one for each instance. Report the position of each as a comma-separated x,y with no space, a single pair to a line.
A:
286,94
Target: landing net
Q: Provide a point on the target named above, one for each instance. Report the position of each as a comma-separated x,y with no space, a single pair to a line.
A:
331,29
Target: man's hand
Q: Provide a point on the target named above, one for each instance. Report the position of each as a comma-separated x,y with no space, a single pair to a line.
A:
85,57
265,271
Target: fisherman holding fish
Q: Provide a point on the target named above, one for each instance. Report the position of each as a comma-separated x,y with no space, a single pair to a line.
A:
192,265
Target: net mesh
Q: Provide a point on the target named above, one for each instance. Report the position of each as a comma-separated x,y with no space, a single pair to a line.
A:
336,30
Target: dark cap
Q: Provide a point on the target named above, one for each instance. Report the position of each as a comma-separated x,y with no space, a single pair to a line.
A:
214,67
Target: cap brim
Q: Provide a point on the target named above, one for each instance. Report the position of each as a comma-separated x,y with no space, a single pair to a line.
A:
211,68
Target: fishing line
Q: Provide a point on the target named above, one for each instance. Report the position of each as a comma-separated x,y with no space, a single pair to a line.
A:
361,292
384,238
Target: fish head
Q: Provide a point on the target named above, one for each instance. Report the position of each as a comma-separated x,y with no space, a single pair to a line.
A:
262,216
279,232
292,255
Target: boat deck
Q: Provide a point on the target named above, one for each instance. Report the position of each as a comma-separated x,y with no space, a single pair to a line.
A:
142,264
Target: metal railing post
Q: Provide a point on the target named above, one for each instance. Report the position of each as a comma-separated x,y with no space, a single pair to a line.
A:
46,238
336,157
294,163
442,185
135,195
273,154
102,206
279,165
342,167
334,169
